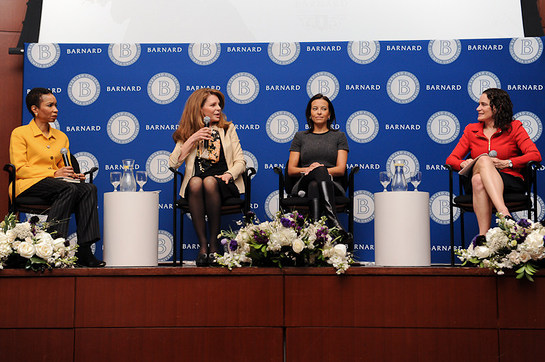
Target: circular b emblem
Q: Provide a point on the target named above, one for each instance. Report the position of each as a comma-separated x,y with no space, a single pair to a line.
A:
164,245
157,167
251,161
325,83
531,123
362,126
284,53
408,159
83,89
440,210
124,54
364,206
282,126
123,127
163,88
443,127
526,50
480,82
43,55
204,53
243,88
86,162
403,87
363,52
444,51
271,204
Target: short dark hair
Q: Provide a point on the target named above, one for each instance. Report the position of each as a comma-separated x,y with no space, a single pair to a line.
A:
331,119
501,105
34,98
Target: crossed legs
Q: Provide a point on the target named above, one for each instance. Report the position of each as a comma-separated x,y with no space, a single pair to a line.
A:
487,187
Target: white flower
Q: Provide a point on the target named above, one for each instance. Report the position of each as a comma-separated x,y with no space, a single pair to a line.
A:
44,250
58,244
534,241
5,250
482,252
26,250
340,250
298,245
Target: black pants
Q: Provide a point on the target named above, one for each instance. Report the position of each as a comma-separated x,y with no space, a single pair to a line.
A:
67,198
309,183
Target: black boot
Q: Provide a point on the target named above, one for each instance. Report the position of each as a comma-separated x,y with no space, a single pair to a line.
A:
314,208
328,209
87,258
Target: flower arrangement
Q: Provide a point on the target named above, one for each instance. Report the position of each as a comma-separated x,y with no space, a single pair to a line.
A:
28,244
510,245
289,239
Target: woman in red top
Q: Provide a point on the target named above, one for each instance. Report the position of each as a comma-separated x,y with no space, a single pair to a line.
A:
494,172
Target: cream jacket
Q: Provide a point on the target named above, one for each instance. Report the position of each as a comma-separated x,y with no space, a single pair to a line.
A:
234,157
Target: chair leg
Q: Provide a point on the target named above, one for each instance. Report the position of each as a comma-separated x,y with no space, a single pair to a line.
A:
181,238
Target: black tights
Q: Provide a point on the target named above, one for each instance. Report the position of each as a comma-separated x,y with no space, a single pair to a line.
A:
205,199
311,182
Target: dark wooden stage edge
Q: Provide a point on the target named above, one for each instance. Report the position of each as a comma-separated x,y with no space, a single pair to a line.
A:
262,314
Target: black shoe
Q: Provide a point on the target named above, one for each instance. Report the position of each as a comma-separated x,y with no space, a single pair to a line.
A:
478,240
202,259
212,259
87,258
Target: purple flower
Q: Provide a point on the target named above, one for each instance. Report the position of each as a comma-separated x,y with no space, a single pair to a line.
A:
224,241
260,237
233,245
524,223
285,222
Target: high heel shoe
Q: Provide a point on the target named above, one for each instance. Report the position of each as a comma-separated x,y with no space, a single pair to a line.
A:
202,259
212,259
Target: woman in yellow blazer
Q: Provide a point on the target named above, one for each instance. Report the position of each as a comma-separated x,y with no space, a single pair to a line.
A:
210,148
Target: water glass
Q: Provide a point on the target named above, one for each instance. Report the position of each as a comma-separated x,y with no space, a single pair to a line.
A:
141,179
416,179
384,179
115,179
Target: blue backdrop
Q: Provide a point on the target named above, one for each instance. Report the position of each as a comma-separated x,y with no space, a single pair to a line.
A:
407,100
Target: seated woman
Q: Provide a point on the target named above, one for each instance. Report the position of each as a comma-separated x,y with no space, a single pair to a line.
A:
35,151
505,147
319,156
214,163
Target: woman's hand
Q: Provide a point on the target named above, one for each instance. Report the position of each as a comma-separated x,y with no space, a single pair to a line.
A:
204,133
226,177
500,164
312,167
68,171
466,162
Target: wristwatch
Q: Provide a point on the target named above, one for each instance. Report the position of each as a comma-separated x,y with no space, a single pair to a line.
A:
510,163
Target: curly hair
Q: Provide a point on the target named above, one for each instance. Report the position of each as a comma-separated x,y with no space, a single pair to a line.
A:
331,119
502,107
192,118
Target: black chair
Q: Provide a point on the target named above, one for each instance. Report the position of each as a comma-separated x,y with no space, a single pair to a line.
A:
36,205
343,203
233,205
513,201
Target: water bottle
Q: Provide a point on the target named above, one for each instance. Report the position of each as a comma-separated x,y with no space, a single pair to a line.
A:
128,182
398,182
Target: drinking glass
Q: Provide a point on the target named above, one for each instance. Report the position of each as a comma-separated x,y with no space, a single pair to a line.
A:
384,179
115,179
141,179
416,179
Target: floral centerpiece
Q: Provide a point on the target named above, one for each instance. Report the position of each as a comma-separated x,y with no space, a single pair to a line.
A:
28,244
289,239
510,245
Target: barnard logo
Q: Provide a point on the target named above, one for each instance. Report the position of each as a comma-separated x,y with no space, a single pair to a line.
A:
408,159
83,89
526,50
284,53
157,167
165,242
531,123
480,82
272,204
325,83
243,88
363,52
440,209
43,55
251,161
124,54
364,206
403,87
123,127
362,126
86,162
163,88
443,127
444,51
77,51
282,126
204,53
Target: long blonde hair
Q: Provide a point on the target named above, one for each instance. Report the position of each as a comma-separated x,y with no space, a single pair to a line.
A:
192,119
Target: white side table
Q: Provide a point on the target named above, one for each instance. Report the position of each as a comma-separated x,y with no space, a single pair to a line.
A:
402,228
131,222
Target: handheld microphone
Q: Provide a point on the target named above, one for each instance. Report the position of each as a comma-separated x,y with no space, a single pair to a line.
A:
493,153
64,153
206,121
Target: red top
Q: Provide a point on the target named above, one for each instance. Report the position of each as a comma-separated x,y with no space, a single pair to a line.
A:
513,144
